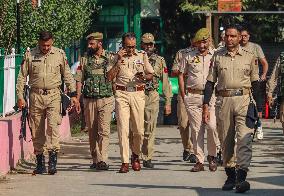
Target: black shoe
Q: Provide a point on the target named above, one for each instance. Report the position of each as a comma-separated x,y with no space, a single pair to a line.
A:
148,164
40,164
219,158
192,158
52,162
241,184
185,155
102,166
189,157
230,183
93,166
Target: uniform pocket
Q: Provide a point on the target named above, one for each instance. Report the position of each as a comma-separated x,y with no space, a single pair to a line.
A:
195,68
55,68
36,66
246,70
223,70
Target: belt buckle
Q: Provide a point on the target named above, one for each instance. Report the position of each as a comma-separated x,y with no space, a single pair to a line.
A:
130,89
44,92
238,92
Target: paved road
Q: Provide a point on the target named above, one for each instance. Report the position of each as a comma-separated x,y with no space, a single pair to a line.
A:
170,177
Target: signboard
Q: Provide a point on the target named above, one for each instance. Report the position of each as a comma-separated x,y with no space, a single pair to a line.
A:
229,5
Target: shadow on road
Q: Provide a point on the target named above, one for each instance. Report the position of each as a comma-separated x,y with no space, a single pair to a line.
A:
199,190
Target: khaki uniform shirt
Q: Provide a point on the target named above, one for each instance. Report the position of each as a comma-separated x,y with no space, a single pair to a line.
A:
179,56
129,66
44,71
233,72
196,67
161,72
272,82
79,76
255,49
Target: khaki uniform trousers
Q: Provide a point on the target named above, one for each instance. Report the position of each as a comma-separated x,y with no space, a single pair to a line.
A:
150,119
233,123
43,107
184,126
219,132
129,107
98,117
193,104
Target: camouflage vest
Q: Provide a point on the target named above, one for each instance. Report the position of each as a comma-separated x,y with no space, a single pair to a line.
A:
154,83
281,75
96,84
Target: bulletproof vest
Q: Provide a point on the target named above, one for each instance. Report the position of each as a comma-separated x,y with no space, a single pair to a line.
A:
95,81
281,75
154,83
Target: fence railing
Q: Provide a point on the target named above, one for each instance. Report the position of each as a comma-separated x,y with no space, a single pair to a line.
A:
9,69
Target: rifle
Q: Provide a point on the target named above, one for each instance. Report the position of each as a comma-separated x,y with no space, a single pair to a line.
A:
255,128
65,103
25,114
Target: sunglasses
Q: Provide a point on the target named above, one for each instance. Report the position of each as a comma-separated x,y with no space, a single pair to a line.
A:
130,47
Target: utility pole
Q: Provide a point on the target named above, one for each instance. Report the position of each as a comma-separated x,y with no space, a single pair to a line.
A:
18,27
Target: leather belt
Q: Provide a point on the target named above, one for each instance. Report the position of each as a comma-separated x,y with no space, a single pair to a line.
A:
232,93
195,91
44,91
130,88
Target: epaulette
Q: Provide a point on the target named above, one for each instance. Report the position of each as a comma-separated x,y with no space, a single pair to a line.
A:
31,50
186,50
59,50
160,58
141,51
247,50
220,50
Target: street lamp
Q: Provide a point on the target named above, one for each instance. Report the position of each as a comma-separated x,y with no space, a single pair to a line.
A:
18,27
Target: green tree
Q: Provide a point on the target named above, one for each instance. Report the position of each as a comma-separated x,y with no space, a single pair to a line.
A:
68,20
264,27
7,23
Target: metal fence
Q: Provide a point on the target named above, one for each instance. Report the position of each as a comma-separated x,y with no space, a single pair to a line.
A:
9,69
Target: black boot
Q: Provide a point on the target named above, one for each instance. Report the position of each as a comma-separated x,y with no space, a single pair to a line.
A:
241,184
148,164
219,158
230,183
40,164
52,162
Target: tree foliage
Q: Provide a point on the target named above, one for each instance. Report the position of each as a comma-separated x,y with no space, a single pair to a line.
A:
264,27
68,20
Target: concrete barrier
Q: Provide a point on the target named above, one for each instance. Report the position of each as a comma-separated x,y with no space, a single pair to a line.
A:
12,149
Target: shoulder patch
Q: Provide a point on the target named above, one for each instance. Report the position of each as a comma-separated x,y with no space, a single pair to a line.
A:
166,70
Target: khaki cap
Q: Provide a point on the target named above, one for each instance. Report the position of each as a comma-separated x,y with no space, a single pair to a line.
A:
148,38
96,35
201,34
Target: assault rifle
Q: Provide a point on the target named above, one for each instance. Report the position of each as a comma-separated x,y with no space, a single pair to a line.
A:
25,114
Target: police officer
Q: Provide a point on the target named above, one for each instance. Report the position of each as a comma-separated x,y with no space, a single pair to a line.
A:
258,52
130,72
97,97
277,74
45,65
196,65
183,124
152,97
236,71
